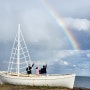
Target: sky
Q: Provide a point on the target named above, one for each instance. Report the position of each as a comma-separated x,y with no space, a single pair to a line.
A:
56,32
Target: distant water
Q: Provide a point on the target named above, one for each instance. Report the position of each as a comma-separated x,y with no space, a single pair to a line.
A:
82,81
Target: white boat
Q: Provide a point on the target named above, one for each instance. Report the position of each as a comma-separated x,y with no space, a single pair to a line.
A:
19,60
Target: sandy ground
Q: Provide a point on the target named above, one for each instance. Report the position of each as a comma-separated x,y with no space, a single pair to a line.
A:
13,87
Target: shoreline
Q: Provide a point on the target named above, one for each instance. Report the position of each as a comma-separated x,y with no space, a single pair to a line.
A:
19,87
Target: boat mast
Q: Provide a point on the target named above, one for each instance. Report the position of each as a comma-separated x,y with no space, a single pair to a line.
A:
20,57
18,50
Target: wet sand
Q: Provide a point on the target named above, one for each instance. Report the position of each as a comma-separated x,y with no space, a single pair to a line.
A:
15,87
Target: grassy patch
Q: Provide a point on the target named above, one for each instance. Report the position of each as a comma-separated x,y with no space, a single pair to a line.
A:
20,87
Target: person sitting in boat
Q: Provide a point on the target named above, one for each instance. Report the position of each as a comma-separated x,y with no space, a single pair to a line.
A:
37,71
43,70
28,69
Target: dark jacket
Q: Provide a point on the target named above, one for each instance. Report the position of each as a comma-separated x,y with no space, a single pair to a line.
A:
43,70
28,69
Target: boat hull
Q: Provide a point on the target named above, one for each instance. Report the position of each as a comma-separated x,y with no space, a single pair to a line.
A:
42,80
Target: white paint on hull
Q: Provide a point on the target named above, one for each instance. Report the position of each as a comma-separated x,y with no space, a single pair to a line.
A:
66,80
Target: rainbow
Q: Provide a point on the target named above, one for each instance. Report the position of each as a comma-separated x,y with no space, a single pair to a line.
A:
62,24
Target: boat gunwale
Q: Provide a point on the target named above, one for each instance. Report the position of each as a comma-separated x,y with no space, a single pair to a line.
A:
43,77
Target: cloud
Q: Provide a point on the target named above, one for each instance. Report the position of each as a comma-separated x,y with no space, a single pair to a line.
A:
65,53
63,62
48,42
77,24
88,55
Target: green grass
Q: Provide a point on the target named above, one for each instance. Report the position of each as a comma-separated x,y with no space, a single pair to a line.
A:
19,87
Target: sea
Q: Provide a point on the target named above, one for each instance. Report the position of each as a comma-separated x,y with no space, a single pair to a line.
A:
82,82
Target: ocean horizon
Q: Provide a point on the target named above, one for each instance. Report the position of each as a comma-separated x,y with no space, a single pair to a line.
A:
82,82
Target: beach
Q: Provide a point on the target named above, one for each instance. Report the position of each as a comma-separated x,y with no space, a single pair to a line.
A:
16,87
